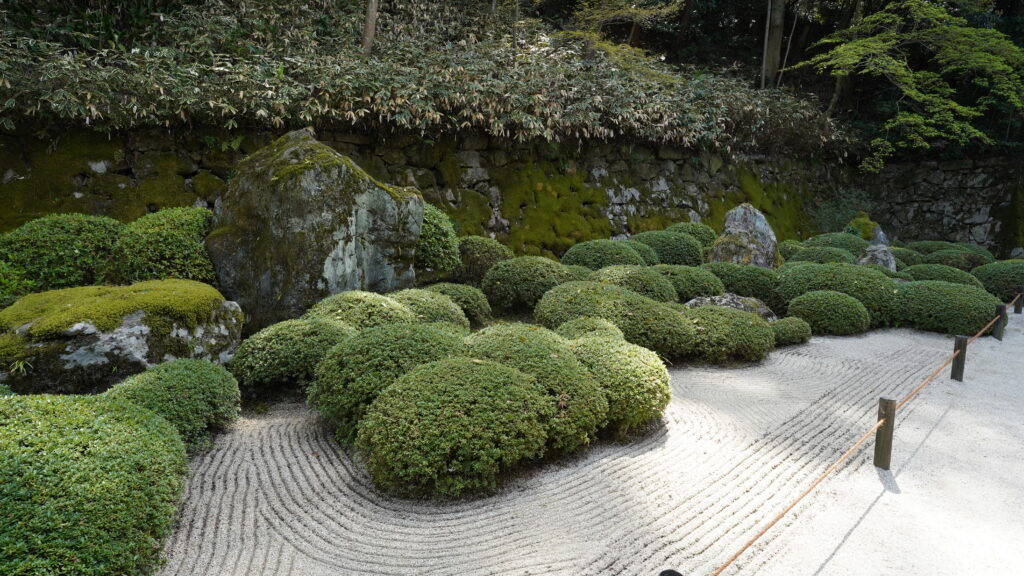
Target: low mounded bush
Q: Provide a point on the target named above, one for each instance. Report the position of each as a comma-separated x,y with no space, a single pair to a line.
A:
89,485
587,327
830,312
790,331
789,247
360,309
691,282
476,256
634,380
453,427
747,280
1001,278
823,255
673,247
578,404
925,247
198,397
13,284
646,252
437,250
727,334
61,250
850,242
431,306
945,307
518,284
353,373
907,256
874,290
470,299
958,258
943,273
169,243
643,280
887,272
283,356
704,234
596,254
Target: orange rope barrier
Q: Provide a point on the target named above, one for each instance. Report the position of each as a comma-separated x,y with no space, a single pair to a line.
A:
929,379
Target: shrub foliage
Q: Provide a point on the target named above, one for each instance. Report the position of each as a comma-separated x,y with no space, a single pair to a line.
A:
790,331
1001,278
643,280
830,312
437,249
62,250
169,243
944,307
470,299
476,256
596,254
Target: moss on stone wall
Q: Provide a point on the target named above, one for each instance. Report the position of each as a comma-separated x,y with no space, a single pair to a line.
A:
782,203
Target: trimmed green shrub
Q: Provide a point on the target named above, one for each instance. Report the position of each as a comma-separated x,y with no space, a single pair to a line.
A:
197,397
851,243
747,280
452,427
704,234
790,331
725,334
862,225
874,290
361,309
88,484
979,250
169,243
908,256
470,299
958,258
519,283
887,272
634,380
673,247
589,326
691,282
13,284
945,307
5,390
283,356
578,273
437,249
1001,278
830,312
943,273
476,256
431,306
579,407
61,250
789,247
640,279
646,252
596,254
823,255
643,321
353,373
925,247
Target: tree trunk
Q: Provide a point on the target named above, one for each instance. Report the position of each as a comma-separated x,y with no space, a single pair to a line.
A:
776,31
843,83
370,26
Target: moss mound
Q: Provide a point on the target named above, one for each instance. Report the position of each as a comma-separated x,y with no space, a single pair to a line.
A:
283,356
197,397
727,334
361,309
646,252
89,485
470,299
596,254
1001,278
945,307
704,234
431,306
518,284
830,312
453,427
747,280
62,250
851,243
353,373
789,247
437,249
908,256
673,247
587,327
874,290
943,273
691,282
862,225
476,256
823,255
640,279
791,331
958,258
165,244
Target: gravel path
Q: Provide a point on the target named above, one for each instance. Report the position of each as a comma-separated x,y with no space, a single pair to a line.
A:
276,496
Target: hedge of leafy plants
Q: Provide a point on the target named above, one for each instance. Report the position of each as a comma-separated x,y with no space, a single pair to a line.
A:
907,256
830,312
431,306
691,282
790,331
169,243
646,252
596,254
360,309
850,242
470,299
1001,278
943,273
958,258
437,249
874,290
643,280
925,247
589,326
789,247
198,397
89,485
13,284
61,250
518,284
747,280
704,234
945,307
726,334
823,255
477,255
673,247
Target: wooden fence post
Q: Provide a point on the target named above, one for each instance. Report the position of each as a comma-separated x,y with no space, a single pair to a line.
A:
1018,306
883,436
959,344
1000,326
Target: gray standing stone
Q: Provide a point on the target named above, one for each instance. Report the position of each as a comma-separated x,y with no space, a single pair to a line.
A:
878,254
746,238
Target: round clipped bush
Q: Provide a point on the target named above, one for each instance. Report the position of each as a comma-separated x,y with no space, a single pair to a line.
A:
943,273
431,306
589,326
790,331
874,290
634,380
596,254
887,272
746,280
653,325
643,280
975,249
945,307
578,273
727,334
283,356
830,312
823,255
62,250
579,407
704,234
89,485
789,247
470,299
519,283
437,249
169,243
646,252
925,247
352,374
673,247
958,258
197,397
476,256
907,256
691,282
1001,278
453,427
851,243
360,310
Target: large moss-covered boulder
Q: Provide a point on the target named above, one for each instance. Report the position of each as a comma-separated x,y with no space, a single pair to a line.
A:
86,339
299,222
746,238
